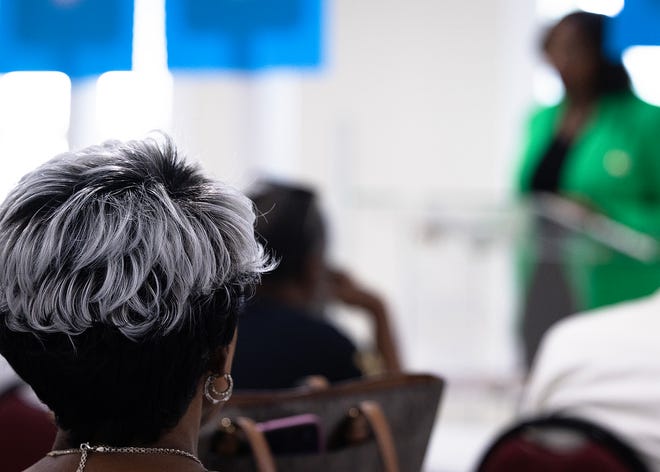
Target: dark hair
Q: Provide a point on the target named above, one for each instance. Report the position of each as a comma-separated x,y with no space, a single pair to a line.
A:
289,225
105,388
613,76
123,271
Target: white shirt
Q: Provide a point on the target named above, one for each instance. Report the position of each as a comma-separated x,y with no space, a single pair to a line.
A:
604,366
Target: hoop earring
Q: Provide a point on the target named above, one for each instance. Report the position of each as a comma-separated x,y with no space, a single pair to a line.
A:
212,394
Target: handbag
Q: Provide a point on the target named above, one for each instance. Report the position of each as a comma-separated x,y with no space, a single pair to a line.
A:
372,424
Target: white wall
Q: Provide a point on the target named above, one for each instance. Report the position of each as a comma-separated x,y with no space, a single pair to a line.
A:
418,89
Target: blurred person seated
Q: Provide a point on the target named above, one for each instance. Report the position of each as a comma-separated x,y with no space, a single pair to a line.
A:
27,429
284,322
604,366
124,269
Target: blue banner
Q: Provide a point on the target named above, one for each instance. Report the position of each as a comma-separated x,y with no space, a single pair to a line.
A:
243,34
77,37
638,24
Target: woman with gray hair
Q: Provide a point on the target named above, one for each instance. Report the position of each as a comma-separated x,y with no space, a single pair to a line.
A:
124,269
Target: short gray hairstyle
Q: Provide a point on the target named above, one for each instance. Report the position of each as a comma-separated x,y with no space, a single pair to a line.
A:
124,234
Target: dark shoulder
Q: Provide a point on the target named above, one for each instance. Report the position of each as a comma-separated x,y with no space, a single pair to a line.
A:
265,313
285,322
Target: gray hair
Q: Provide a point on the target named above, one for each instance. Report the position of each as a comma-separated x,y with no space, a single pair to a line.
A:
123,234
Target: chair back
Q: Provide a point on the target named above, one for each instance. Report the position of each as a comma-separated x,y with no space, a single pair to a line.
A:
557,443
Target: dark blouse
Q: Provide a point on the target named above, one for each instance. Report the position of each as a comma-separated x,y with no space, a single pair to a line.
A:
279,345
547,176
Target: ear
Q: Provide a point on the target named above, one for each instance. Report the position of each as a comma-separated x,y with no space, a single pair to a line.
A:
220,363
223,357
229,353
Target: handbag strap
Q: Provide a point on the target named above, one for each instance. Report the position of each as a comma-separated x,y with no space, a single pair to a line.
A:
383,434
371,410
261,452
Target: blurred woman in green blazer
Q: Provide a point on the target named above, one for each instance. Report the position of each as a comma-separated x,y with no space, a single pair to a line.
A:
599,147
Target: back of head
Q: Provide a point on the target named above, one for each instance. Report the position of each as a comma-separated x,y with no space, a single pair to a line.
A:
290,226
123,270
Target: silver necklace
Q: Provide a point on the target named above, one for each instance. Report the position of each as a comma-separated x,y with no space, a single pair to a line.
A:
85,449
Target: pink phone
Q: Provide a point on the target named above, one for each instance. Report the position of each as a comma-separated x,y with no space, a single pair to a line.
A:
294,434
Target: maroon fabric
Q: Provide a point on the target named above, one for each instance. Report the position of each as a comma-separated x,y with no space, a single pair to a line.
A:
26,433
520,455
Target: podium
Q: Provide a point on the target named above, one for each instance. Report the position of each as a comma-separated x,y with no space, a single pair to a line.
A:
573,259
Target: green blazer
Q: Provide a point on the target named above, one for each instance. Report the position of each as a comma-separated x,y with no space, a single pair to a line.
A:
614,167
